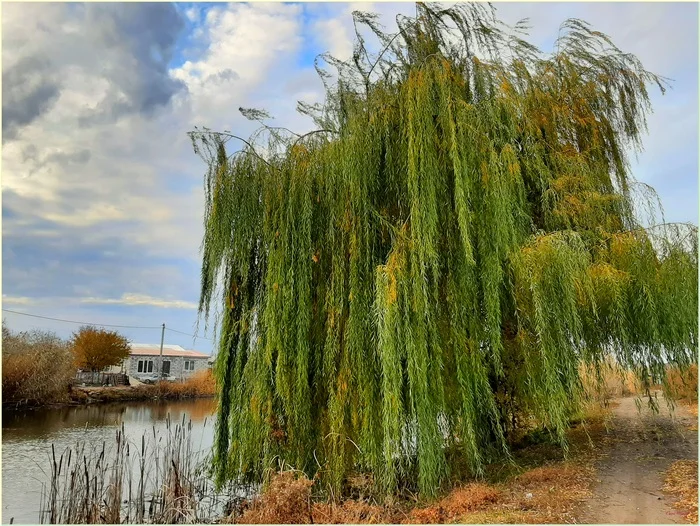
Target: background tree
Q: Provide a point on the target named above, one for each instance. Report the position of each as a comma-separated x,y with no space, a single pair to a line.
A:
95,349
439,257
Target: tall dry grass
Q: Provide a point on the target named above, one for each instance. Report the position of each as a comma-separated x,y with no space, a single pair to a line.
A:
159,479
37,368
199,384
609,381
682,384
612,381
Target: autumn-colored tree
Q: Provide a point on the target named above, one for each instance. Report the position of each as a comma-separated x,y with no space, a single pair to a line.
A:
95,349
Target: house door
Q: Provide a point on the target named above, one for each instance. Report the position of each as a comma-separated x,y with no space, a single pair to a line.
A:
166,367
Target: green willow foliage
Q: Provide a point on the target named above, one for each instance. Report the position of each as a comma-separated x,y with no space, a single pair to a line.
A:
437,260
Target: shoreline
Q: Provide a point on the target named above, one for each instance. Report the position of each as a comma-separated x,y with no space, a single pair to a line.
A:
82,396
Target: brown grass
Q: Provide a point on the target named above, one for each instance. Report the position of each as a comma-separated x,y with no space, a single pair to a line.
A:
541,487
354,512
547,494
613,381
287,500
682,481
460,501
37,368
683,385
199,385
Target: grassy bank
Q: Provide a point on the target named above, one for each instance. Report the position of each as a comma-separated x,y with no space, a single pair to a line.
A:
38,369
200,385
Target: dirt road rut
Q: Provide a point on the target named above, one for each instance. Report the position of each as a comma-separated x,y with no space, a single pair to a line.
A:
643,446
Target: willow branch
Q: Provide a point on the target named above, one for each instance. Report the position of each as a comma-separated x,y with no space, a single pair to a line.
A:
230,135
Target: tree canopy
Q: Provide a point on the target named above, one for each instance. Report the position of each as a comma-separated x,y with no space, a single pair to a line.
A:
400,286
96,349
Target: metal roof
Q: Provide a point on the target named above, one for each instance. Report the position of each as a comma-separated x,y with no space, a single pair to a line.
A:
153,349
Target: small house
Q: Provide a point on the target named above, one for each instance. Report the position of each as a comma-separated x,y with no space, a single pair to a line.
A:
145,361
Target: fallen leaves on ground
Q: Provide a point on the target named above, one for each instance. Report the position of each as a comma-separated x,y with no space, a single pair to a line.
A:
682,481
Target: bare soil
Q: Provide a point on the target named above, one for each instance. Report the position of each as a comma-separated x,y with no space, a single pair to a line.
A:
630,477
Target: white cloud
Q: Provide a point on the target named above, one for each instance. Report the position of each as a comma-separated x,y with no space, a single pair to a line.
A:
130,299
141,299
124,189
249,44
192,14
336,36
18,300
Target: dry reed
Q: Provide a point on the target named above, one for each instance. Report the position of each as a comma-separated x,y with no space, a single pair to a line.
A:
159,480
201,383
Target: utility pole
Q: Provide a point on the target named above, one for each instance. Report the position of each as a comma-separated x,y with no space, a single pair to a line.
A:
160,365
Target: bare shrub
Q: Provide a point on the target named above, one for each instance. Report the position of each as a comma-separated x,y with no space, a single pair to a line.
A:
286,501
37,367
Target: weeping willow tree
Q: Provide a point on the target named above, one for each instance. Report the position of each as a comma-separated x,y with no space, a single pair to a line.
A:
438,258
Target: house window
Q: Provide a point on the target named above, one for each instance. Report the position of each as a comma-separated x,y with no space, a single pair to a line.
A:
145,366
166,367
189,365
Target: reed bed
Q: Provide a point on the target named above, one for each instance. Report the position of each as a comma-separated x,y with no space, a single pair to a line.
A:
160,479
200,384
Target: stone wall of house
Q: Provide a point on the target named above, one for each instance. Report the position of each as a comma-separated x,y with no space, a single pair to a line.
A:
177,365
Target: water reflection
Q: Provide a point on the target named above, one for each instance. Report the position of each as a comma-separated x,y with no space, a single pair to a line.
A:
27,438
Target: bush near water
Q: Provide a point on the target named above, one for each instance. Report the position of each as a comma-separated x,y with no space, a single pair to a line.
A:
37,368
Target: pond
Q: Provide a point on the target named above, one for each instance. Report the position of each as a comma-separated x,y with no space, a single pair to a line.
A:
27,438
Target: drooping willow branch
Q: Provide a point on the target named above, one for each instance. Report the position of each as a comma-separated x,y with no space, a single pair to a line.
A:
398,295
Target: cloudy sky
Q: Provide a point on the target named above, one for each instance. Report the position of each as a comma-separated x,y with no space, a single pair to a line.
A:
102,195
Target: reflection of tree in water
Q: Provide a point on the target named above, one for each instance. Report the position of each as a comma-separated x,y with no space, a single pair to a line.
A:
196,410
44,422
201,409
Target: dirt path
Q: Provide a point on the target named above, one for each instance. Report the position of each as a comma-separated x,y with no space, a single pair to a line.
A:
642,448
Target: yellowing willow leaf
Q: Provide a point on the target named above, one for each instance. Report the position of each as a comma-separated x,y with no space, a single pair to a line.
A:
439,257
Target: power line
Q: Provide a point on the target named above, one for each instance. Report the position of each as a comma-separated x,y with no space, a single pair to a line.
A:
194,336
79,322
103,324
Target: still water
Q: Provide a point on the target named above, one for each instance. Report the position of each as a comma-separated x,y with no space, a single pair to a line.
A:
27,438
